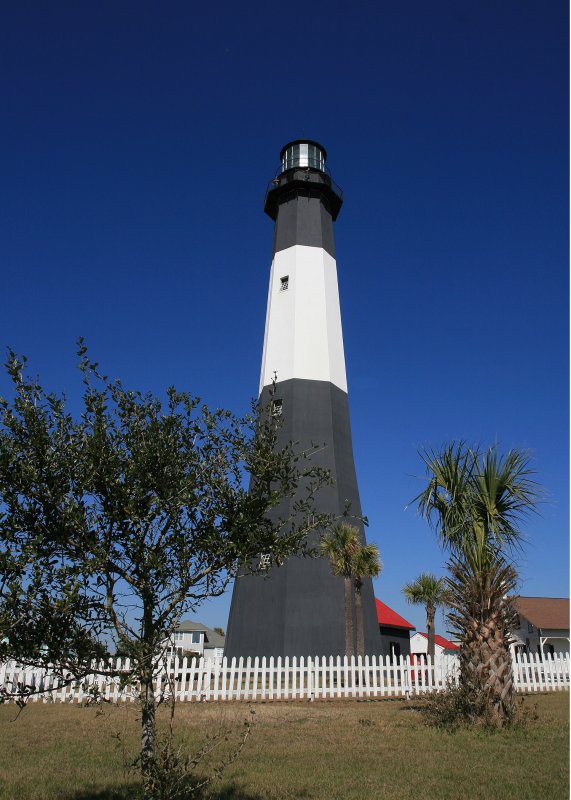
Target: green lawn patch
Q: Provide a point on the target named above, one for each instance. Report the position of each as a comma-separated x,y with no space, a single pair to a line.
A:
342,749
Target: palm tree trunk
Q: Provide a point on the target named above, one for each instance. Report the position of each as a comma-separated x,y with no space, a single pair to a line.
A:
359,618
486,671
482,613
430,615
349,651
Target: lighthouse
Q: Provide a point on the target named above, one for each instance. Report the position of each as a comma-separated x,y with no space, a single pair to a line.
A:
297,609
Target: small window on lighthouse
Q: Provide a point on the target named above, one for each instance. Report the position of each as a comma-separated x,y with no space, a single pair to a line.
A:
264,562
284,283
277,408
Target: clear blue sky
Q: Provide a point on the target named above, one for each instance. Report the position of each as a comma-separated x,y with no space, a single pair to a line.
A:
137,141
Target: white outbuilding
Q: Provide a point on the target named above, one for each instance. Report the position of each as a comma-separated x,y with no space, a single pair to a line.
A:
442,646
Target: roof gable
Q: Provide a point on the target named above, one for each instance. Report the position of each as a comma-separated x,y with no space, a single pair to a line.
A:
544,612
446,644
188,626
389,618
211,638
214,639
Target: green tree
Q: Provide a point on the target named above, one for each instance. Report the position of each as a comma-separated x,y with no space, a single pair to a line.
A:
429,591
116,523
476,501
352,561
366,564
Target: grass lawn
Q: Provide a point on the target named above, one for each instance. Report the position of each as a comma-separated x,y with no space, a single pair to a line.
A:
342,749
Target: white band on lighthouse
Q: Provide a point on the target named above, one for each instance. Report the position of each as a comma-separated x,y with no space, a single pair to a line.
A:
303,337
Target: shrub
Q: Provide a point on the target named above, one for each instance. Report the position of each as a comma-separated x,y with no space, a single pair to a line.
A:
456,707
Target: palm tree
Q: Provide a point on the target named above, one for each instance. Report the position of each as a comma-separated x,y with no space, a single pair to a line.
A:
431,592
475,501
366,563
340,546
353,561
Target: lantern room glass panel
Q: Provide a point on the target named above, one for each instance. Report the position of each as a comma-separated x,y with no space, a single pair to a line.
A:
303,154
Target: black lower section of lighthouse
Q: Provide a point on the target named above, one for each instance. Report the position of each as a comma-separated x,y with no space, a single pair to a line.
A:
298,609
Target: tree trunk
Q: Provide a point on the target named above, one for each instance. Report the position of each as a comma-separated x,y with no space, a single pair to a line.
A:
430,630
148,732
483,614
359,618
486,670
349,651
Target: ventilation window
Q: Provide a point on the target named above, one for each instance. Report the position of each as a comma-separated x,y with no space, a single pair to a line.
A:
277,408
284,283
265,563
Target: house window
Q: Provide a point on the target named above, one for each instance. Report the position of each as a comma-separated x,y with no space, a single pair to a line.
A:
265,562
195,637
529,627
277,408
179,636
284,283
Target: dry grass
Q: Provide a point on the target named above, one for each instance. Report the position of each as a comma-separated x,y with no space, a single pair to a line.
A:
342,749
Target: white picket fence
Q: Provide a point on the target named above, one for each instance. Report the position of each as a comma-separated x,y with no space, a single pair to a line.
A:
266,679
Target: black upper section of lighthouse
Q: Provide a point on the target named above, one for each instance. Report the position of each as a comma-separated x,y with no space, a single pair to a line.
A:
303,199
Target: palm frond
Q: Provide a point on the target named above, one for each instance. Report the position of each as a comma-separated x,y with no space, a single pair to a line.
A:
505,495
476,500
348,556
426,589
445,501
340,546
367,562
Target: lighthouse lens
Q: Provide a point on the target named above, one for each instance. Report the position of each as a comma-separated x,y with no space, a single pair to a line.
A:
303,154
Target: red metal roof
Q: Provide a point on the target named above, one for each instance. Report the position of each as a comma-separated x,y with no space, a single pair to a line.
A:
445,643
389,618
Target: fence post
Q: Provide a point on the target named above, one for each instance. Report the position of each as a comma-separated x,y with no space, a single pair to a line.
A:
337,678
256,677
231,678
407,676
271,678
263,677
240,678
223,665
279,678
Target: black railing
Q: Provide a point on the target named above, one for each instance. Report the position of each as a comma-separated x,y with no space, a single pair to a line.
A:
307,175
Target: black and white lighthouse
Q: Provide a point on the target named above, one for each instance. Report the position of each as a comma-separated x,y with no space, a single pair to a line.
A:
298,608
